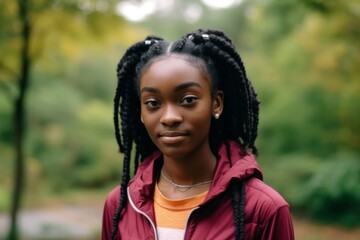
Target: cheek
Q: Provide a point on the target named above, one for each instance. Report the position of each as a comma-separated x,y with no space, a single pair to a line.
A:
149,120
141,114
149,126
202,117
144,118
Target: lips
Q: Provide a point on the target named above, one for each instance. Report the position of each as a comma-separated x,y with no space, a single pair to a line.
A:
172,134
172,137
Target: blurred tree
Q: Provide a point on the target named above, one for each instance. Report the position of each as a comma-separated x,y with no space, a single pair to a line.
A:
19,110
29,23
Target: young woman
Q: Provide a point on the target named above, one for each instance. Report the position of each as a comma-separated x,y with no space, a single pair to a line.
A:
191,114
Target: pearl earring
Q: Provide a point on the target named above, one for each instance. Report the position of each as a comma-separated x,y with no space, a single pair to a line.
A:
217,116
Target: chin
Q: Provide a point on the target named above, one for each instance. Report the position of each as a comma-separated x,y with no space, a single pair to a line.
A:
174,151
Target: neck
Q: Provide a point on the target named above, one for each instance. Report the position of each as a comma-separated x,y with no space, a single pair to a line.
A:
190,170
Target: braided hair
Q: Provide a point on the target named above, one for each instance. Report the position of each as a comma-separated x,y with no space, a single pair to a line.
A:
213,53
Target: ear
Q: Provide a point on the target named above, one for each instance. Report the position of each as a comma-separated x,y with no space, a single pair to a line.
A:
218,103
141,118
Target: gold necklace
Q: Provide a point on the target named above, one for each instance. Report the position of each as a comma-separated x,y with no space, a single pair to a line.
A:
183,188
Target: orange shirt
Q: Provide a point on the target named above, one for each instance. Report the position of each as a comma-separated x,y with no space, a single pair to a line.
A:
172,214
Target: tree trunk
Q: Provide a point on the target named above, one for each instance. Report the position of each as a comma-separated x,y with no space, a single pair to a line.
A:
19,117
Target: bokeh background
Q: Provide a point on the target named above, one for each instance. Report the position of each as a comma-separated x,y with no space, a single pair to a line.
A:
57,80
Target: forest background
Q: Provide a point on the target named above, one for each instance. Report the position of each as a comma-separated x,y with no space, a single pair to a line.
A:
302,57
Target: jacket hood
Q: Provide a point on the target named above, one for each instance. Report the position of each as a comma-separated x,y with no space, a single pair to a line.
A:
233,163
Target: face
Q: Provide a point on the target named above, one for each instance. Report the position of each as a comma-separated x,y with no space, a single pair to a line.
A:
177,106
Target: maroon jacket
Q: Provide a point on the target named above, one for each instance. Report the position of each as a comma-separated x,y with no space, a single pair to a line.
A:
267,215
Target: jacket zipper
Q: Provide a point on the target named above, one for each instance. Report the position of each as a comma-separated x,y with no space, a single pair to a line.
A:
144,214
187,220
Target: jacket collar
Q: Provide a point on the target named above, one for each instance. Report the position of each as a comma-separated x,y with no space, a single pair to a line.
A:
233,163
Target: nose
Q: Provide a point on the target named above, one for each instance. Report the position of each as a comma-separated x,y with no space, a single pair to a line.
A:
171,116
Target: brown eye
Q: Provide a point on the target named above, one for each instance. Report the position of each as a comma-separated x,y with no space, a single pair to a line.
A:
188,100
152,103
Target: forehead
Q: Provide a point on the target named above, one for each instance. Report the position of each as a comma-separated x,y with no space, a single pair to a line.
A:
173,70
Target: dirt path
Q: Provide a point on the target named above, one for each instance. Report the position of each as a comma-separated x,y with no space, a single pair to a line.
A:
65,222
305,230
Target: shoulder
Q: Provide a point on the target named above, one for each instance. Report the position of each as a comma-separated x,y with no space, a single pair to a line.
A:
265,193
110,207
112,199
262,201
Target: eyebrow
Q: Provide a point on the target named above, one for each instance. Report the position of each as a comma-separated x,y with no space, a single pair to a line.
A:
187,85
177,89
149,89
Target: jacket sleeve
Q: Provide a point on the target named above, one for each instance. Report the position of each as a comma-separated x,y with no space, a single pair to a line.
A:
110,206
279,226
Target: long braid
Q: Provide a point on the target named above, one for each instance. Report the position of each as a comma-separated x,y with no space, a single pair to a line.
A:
236,207
242,210
244,101
238,203
124,183
234,56
124,97
125,66
253,109
127,146
220,39
233,59
136,159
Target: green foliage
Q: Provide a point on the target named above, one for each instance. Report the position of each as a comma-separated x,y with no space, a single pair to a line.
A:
72,129
289,174
325,190
332,194
4,200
